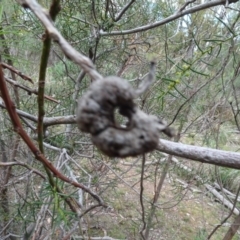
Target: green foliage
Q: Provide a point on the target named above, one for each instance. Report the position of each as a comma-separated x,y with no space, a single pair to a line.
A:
201,235
229,178
197,77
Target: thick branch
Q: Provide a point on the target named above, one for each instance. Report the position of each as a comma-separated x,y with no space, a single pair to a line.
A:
174,16
201,154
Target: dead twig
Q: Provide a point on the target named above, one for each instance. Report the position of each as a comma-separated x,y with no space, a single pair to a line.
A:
24,165
37,153
29,90
23,76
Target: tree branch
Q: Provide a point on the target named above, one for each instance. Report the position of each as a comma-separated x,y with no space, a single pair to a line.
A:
11,68
201,154
29,90
125,8
169,19
47,121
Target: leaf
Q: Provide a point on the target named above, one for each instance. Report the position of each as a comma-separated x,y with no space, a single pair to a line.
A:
201,73
187,62
214,40
169,92
179,92
220,48
229,29
198,45
171,60
169,80
211,65
1,12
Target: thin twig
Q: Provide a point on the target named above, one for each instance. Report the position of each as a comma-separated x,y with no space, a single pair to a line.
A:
24,165
148,81
226,218
185,5
29,90
39,156
125,8
23,76
171,18
156,195
141,196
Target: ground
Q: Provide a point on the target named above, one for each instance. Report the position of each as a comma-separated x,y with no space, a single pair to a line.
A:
184,210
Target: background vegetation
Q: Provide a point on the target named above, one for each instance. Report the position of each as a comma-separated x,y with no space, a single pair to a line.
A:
196,46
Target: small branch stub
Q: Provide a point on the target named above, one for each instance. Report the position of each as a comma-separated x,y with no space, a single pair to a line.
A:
95,115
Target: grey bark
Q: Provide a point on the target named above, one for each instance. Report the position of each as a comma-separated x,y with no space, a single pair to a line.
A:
201,154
